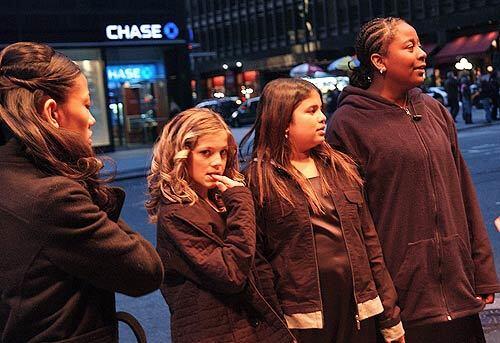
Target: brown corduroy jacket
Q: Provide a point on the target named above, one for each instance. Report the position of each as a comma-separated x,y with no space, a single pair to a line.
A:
287,238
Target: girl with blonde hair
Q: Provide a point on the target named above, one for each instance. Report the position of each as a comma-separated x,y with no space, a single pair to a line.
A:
206,236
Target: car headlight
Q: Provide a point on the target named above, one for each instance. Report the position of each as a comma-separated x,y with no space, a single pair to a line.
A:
235,114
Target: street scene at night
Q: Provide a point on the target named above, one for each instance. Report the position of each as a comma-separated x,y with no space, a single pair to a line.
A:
272,171
480,147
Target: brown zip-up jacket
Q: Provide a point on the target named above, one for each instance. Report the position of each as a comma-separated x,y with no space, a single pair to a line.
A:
216,288
422,200
287,238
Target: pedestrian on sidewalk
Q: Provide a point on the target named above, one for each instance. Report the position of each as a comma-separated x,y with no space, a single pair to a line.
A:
485,96
452,88
420,193
314,225
206,237
64,249
495,96
465,94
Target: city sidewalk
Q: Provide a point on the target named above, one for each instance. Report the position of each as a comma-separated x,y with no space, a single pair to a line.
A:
490,318
136,162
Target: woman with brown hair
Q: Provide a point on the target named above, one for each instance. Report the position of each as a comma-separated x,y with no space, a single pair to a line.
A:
64,249
419,191
314,227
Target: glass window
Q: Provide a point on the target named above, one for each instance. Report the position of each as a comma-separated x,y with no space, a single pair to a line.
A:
91,64
137,94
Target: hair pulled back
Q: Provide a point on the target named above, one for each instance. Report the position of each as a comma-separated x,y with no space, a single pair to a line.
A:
30,73
373,37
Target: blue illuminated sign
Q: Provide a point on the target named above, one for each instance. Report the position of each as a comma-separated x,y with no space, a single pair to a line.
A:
143,31
131,72
171,30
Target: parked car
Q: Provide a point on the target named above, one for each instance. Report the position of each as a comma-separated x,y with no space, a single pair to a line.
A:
439,94
246,113
224,106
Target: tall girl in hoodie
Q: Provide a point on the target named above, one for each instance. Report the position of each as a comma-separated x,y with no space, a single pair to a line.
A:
206,237
313,225
419,190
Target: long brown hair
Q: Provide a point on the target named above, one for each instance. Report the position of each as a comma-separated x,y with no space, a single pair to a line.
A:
29,73
272,150
169,178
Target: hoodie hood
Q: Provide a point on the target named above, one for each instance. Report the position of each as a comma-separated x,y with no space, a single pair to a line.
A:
362,99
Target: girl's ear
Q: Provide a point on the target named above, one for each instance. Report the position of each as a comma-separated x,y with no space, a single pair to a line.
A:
378,62
49,111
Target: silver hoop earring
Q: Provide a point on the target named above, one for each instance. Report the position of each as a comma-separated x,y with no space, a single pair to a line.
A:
382,70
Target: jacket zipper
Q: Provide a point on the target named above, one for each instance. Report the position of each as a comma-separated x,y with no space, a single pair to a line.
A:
254,286
436,232
316,264
356,316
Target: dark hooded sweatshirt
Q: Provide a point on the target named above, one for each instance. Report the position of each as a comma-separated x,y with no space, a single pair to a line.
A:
422,200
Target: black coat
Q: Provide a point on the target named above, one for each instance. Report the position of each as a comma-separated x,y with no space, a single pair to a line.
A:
62,258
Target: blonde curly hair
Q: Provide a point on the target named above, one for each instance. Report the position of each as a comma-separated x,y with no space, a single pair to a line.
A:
169,178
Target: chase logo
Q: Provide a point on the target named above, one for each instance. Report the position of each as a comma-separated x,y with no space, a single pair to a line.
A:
169,31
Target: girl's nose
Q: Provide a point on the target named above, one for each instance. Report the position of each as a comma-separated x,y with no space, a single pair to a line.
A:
91,120
217,160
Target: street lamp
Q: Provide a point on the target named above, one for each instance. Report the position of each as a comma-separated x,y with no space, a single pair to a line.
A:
463,64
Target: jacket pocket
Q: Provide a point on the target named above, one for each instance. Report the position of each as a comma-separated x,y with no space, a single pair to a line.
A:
354,196
458,274
417,282
350,209
281,220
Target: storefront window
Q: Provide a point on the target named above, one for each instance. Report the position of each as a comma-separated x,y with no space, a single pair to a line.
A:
137,96
133,96
91,64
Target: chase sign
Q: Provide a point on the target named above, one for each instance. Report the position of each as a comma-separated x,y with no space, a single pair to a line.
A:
143,31
131,72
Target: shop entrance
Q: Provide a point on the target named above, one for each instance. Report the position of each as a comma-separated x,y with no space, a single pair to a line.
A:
137,96
137,100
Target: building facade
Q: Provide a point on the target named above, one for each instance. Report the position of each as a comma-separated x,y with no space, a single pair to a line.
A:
133,53
268,37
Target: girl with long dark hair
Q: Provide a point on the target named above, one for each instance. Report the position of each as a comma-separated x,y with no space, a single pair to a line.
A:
314,227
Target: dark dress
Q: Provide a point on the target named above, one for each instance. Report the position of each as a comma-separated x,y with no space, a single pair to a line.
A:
335,282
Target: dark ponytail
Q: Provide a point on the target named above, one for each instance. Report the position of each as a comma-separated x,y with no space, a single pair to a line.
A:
373,37
28,73
361,77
